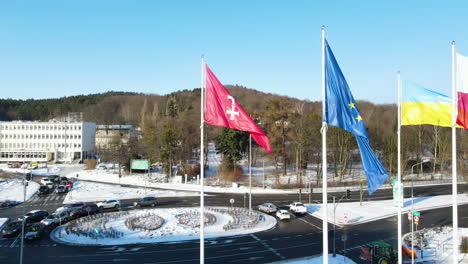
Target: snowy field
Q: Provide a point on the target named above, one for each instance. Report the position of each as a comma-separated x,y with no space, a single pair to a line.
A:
91,191
12,189
143,180
160,225
375,210
339,259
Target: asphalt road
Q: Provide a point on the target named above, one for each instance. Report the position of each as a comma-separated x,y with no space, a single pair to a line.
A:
299,237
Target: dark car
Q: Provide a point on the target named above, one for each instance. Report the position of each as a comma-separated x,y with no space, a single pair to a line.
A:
12,229
63,179
61,189
36,231
8,204
34,216
85,210
54,178
44,190
147,201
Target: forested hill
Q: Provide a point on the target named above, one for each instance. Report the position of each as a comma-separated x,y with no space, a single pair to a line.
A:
44,109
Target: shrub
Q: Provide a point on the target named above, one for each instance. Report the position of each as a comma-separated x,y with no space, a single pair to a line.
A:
91,164
464,245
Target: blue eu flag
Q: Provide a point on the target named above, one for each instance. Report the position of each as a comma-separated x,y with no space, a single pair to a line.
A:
342,111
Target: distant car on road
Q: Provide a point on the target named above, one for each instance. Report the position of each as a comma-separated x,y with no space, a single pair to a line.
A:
54,178
298,208
51,185
45,181
268,208
69,207
109,204
56,219
36,231
34,216
147,201
44,190
61,189
85,210
8,204
12,229
283,214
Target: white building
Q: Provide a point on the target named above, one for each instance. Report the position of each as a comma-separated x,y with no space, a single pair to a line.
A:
33,141
111,134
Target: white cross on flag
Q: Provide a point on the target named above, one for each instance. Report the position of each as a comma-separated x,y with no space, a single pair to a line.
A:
221,109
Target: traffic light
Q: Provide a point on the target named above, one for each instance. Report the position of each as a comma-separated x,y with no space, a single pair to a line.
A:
348,194
28,176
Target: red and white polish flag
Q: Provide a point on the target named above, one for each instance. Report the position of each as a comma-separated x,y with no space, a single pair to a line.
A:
221,109
462,90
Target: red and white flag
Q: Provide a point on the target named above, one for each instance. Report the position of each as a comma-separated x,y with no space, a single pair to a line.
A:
462,93
221,109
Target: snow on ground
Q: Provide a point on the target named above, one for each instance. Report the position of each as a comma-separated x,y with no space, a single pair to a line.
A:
92,191
3,221
118,231
143,180
339,259
374,210
12,189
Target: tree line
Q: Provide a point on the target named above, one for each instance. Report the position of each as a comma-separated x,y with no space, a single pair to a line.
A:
170,126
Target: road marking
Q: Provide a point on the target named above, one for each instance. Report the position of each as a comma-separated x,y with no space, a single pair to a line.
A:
248,259
309,223
14,242
267,246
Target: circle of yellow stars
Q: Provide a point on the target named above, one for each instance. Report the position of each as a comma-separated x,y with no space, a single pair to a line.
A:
351,106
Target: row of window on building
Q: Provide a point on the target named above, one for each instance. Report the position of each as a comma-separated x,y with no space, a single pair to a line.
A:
40,136
39,127
27,155
28,145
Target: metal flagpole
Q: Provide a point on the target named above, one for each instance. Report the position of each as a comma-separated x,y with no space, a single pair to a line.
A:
250,174
454,159
324,159
202,167
400,244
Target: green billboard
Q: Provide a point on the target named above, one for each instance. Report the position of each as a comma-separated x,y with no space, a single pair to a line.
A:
140,165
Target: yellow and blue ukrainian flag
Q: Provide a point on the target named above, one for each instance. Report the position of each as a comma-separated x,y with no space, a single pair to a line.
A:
342,111
421,106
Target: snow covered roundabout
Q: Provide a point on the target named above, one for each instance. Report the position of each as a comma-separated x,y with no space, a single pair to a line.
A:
160,225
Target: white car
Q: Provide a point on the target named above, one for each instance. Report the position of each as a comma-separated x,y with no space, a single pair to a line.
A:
56,219
283,214
298,208
267,208
45,181
51,185
109,204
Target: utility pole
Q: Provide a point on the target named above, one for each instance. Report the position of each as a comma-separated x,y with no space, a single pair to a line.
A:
25,183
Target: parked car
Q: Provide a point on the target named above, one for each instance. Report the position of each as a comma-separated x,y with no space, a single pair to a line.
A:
85,210
34,216
56,219
12,229
147,201
61,189
109,204
44,190
36,231
70,207
268,208
298,208
283,214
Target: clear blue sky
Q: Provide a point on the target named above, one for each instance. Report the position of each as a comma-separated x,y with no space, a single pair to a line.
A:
60,48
